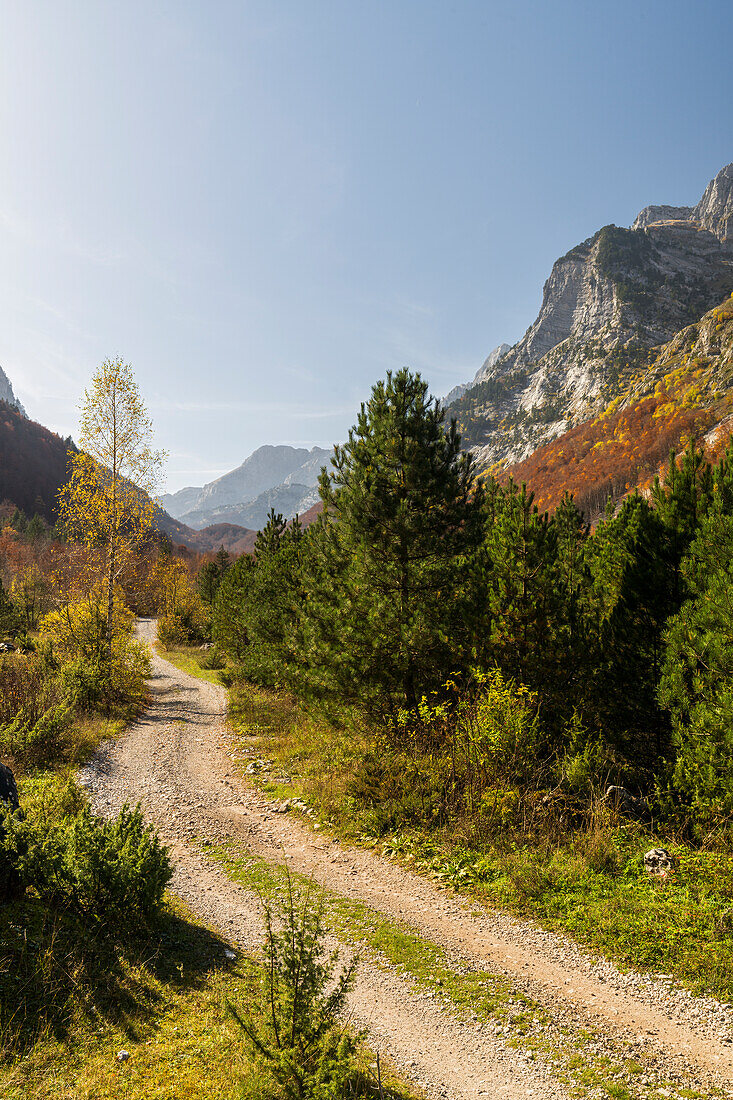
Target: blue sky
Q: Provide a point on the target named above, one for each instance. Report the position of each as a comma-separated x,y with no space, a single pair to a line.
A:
263,206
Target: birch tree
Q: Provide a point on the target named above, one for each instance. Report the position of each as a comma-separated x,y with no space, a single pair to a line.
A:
107,503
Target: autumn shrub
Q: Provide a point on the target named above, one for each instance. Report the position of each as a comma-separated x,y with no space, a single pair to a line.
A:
79,629
393,789
497,737
24,685
475,753
185,618
118,688
98,869
185,626
95,675
35,711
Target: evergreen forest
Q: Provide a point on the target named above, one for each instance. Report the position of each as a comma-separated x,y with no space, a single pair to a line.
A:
489,647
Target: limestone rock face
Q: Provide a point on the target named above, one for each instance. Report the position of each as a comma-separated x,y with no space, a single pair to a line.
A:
6,392
652,214
490,361
607,303
715,209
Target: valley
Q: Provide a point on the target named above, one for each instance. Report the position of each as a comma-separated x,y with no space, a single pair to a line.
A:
451,700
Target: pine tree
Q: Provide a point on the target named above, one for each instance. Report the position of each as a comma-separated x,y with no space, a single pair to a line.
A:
571,535
521,598
681,501
697,677
388,608
630,598
210,575
229,627
271,535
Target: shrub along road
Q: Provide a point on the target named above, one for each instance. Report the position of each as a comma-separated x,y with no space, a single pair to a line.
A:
645,1033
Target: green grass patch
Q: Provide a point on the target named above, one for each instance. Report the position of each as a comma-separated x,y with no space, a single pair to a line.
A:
189,659
70,995
70,1001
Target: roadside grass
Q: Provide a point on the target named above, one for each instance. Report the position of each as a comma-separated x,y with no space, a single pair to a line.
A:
583,1060
86,734
188,659
589,883
73,744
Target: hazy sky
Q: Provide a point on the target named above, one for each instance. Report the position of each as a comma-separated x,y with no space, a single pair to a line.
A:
263,206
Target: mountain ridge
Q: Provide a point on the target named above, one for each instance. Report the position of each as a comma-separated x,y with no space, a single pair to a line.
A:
273,476
685,394
7,394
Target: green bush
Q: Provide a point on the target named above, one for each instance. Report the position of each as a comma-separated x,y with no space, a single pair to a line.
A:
34,743
185,626
98,869
93,684
213,659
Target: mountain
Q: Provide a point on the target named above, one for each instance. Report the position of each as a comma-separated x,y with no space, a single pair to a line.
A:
283,478
607,305
685,393
177,504
288,499
33,463
6,392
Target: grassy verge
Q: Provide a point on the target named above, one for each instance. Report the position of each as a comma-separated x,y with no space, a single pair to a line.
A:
589,882
189,660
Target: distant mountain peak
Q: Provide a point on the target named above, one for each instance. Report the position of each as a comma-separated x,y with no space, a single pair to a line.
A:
275,475
715,209
6,393
490,361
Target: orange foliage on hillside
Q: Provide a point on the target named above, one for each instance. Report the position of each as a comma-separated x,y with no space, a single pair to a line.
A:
612,454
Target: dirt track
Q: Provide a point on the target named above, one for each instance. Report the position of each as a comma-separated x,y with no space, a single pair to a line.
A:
177,762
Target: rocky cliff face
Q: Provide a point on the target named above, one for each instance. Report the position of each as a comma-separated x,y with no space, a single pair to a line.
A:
6,392
715,209
607,303
490,361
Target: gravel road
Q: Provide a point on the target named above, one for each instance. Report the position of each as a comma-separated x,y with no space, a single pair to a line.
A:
177,762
